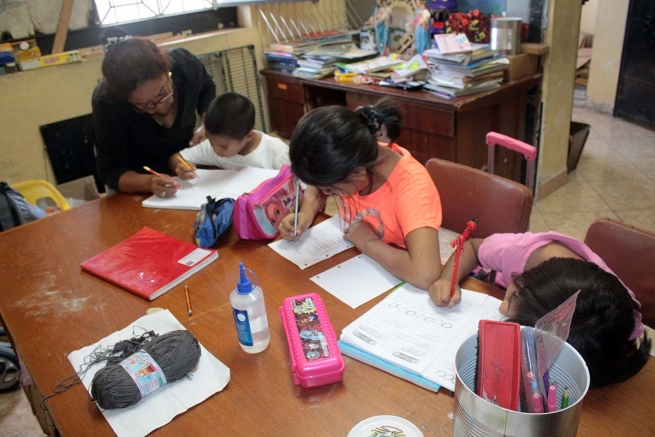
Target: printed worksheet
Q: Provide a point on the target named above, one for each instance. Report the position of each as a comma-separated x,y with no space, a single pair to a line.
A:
318,243
356,281
408,330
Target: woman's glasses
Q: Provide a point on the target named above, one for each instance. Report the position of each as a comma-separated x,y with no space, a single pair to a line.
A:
150,106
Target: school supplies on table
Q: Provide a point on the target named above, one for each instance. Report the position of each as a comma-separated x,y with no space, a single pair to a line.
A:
356,281
186,164
188,300
409,331
499,363
158,409
215,183
458,244
315,356
149,263
316,244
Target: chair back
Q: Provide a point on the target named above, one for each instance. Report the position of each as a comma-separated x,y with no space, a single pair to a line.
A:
499,204
629,252
35,189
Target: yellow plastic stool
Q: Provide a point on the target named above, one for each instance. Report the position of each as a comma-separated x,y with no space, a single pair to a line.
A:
35,189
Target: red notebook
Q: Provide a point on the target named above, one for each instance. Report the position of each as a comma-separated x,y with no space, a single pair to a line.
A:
149,263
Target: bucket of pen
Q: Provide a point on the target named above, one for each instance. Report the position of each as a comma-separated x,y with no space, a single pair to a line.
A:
475,416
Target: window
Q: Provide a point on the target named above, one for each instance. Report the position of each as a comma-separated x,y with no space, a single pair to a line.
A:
123,11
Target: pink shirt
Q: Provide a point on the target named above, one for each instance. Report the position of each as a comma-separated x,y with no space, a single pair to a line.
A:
508,254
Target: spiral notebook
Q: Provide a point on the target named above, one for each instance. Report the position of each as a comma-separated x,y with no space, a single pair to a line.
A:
149,263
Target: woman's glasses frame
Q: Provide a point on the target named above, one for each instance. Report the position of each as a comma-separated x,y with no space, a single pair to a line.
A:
151,106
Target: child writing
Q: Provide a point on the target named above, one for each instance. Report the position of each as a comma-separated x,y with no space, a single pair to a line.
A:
387,197
541,271
231,141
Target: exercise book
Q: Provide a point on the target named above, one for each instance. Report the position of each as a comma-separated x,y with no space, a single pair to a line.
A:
408,331
215,183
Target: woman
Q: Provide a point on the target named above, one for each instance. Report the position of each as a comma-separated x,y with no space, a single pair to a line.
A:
144,111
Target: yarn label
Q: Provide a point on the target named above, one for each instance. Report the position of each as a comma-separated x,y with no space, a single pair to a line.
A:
144,371
243,327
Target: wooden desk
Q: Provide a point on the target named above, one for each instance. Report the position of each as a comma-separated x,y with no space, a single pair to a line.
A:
51,308
433,127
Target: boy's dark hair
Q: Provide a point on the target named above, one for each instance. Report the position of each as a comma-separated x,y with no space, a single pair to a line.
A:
603,320
131,63
330,142
231,115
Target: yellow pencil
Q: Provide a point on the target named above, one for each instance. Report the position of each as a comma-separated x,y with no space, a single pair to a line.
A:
188,301
186,164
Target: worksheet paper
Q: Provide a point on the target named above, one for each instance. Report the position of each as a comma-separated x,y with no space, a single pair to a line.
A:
218,184
316,244
408,330
356,281
162,405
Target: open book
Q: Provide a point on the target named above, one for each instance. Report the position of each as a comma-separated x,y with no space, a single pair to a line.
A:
216,183
409,336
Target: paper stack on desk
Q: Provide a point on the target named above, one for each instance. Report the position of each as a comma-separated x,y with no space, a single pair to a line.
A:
160,407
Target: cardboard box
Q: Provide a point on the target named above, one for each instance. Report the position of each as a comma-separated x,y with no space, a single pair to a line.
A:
534,48
79,191
51,60
521,66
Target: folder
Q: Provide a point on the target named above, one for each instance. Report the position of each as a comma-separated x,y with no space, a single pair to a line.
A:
149,263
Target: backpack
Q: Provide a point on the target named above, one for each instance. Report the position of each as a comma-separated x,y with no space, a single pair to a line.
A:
15,210
213,221
257,215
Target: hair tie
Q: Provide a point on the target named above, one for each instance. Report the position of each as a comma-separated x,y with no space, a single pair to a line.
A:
113,40
371,118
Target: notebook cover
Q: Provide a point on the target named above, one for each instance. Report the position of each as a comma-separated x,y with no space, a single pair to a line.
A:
149,263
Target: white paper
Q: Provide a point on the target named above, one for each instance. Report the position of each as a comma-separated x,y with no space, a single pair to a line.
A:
161,406
317,244
356,281
408,330
216,183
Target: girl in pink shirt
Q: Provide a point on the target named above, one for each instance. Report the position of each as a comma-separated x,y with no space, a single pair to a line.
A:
543,270
388,199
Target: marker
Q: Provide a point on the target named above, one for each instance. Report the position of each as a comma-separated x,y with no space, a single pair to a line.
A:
159,175
186,164
188,301
295,217
552,398
537,403
565,398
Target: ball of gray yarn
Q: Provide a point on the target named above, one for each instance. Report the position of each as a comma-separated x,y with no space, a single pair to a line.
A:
177,353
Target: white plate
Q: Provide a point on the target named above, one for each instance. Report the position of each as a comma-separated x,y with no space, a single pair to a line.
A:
394,423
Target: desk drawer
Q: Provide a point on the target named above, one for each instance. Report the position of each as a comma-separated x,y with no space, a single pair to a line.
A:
285,89
415,116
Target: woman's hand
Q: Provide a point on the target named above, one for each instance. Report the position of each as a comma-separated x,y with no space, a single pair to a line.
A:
163,186
439,292
286,227
360,234
198,136
185,173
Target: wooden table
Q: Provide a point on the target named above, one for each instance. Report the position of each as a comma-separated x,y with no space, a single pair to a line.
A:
51,308
433,126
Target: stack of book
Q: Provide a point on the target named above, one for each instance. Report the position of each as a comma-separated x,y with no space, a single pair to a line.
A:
474,69
314,66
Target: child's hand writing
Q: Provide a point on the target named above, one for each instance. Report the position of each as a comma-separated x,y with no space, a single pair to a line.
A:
185,173
286,225
439,292
360,234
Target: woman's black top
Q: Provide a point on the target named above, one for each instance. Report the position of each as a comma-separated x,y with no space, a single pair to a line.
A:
126,140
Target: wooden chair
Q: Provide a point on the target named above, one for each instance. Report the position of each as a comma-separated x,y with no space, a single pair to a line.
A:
629,252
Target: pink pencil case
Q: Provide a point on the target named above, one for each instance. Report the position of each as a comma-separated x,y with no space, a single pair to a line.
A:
315,357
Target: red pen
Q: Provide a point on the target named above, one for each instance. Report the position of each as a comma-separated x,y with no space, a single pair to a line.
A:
458,244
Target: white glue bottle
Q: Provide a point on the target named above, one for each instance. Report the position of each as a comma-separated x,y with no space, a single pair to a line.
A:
250,314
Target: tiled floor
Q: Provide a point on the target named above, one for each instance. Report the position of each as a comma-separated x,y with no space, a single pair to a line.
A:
615,178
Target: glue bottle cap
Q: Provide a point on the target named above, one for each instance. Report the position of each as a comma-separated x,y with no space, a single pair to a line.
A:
244,286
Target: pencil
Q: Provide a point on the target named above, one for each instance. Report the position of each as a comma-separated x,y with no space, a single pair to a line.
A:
295,218
188,301
186,164
159,175
565,398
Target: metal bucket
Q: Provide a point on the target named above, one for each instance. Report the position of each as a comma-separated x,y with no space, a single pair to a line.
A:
477,417
506,35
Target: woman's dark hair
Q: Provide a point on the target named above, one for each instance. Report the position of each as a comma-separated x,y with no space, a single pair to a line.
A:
330,142
390,116
602,323
231,115
131,63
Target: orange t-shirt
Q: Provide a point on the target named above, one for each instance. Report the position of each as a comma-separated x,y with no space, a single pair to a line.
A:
407,201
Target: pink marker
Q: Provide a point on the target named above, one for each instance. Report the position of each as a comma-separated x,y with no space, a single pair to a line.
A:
552,398
537,403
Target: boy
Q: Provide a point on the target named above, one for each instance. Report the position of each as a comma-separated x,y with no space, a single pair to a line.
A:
231,141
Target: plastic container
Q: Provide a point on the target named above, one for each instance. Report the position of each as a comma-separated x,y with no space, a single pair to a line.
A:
315,356
249,312
477,417
506,35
